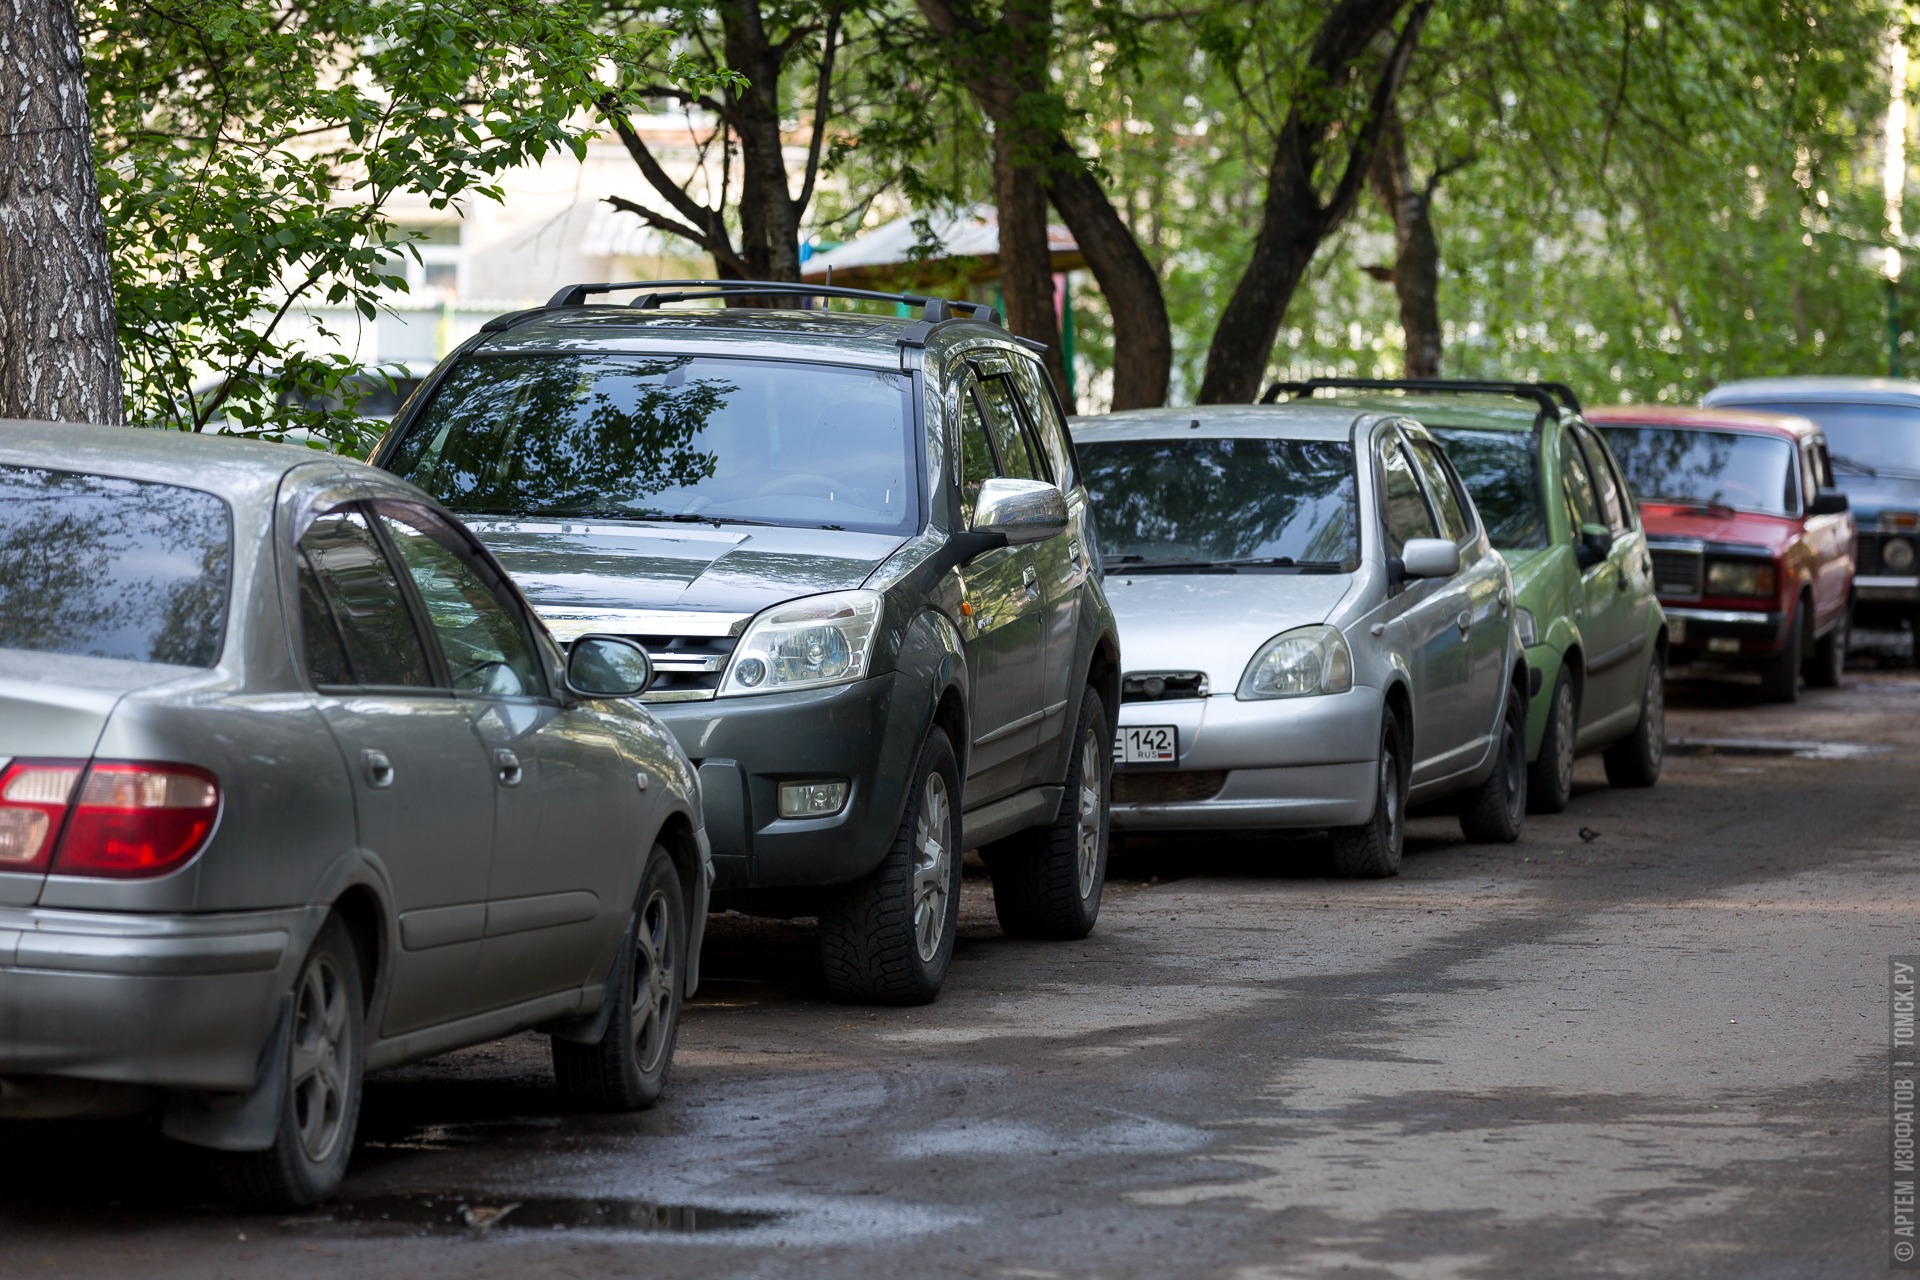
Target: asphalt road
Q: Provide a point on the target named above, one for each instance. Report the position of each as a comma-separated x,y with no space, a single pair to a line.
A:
1656,1052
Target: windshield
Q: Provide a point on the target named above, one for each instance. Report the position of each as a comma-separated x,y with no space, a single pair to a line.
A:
1501,472
1212,502
669,438
109,568
1864,439
1708,468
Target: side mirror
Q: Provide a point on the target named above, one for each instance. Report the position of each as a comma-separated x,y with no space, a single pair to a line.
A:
1020,510
1594,544
1829,502
607,667
1429,558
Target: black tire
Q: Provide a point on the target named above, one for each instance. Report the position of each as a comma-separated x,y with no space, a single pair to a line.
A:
627,1068
1373,849
1550,778
1634,761
320,1099
1828,664
1047,881
1780,677
1496,810
887,939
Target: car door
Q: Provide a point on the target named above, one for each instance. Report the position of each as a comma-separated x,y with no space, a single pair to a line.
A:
423,791
1065,561
1429,614
1615,595
1057,561
1830,538
566,826
1480,583
1001,614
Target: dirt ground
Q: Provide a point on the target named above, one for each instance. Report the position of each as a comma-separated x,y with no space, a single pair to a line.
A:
1645,1040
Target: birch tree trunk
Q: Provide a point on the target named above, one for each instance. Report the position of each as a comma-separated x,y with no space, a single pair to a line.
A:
59,359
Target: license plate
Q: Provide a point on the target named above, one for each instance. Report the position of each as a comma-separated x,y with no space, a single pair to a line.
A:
1147,744
1676,629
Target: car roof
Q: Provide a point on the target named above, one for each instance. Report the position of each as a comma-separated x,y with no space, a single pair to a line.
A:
1844,390
1301,420
219,464
1488,412
841,336
1751,421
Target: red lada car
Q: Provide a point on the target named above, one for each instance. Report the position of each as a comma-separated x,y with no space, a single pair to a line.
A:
1752,545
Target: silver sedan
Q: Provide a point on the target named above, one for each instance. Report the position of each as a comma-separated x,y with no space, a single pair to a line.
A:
1317,631
294,786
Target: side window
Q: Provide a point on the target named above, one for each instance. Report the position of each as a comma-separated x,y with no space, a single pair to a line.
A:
481,634
1012,442
1809,472
348,583
1583,507
1044,413
1407,514
1613,504
976,453
1454,523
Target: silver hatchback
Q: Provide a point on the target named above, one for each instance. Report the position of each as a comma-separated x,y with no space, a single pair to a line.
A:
294,786
1317,631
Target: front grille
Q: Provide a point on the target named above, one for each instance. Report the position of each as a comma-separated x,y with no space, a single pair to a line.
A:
1676,572
1163,686
685,668
1167,788
1866,555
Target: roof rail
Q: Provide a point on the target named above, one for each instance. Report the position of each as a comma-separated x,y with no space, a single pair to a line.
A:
1548,395
659,293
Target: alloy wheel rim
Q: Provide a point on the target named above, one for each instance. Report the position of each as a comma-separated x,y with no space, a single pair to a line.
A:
932,866
1087,833
653,982
320,1061
1563,737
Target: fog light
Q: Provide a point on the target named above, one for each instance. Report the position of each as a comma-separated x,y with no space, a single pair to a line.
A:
812,799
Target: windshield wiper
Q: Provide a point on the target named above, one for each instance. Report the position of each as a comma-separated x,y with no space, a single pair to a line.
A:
1140,564
1850,464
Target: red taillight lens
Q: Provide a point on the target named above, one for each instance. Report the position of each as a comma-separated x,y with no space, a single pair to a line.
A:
33,800
135,820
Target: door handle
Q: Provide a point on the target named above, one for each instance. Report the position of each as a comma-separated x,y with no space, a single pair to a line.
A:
506,767
378,767
1030,576
1073,552
1464,621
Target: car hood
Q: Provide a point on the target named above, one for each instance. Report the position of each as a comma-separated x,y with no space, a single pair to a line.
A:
1873,496
583,568
1213,622
1770,533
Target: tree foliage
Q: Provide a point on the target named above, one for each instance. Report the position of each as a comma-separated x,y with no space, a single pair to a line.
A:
250,157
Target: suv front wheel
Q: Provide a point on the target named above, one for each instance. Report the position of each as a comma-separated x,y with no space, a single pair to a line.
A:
1047,881
887,939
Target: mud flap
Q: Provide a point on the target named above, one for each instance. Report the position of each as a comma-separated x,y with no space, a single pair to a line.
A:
237,1121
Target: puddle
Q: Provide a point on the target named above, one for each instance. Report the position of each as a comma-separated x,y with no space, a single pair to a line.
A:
1773,747
452,1213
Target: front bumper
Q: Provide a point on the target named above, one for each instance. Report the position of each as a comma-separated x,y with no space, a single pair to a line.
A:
183,1002
1730,634
1288,762
1887,590
868,733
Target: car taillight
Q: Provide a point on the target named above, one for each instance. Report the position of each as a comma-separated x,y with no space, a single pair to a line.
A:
33,800
134,820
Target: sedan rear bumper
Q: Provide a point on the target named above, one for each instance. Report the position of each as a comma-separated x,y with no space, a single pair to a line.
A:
179,1002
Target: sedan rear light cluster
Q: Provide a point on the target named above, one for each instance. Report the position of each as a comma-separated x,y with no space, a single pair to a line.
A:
110,819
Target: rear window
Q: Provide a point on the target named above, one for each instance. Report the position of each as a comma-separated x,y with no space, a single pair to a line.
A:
108,568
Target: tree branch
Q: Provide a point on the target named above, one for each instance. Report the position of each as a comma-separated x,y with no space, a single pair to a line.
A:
821,103
1379,104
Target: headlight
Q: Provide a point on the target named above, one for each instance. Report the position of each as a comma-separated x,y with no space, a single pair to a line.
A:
1739,578
804,644
1897,554
1523,623
1297,663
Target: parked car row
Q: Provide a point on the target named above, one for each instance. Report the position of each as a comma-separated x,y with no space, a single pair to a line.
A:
310,767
